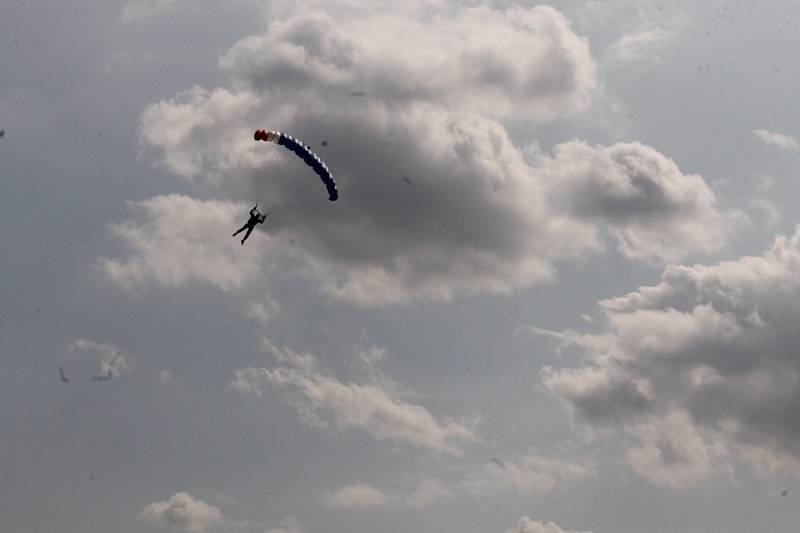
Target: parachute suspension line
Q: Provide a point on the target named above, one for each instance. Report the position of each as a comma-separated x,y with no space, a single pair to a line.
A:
268,171
276,172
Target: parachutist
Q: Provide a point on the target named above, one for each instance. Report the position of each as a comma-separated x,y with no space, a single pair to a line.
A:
255,218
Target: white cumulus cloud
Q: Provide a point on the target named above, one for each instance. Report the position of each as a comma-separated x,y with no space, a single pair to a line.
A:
184,512
358,495
436,199
176,239
654,210
528,525
697,369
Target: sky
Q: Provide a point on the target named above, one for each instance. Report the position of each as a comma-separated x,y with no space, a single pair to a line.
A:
558,292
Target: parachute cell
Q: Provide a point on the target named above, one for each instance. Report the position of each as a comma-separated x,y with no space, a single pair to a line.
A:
303,152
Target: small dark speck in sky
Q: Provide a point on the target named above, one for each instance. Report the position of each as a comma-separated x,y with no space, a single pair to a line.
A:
784,492
498,462
406,179
324,143
2,133
358,93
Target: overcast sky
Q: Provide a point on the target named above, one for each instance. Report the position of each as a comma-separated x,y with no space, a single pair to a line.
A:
558,293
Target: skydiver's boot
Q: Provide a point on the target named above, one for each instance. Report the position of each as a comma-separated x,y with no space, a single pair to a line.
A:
238,231
246,235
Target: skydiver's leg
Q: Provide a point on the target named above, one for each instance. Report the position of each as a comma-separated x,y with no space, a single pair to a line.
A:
249,231
238,231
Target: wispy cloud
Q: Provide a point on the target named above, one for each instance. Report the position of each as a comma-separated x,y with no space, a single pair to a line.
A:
114,360
526,474
361,495
288,525
374,406
640,44
781,140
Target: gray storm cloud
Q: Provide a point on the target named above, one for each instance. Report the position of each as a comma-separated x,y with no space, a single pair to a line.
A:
436,198
697,368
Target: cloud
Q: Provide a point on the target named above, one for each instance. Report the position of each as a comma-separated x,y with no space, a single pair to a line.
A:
184,512
653,209
526,474
427,493
697,369
479,216
781,140
263,311
441,57
288,525
357,495
640,43
526,525
113,359
374,407
177,239
770,211
385,241
360,495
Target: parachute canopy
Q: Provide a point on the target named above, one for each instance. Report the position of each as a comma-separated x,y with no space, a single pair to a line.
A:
303,152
